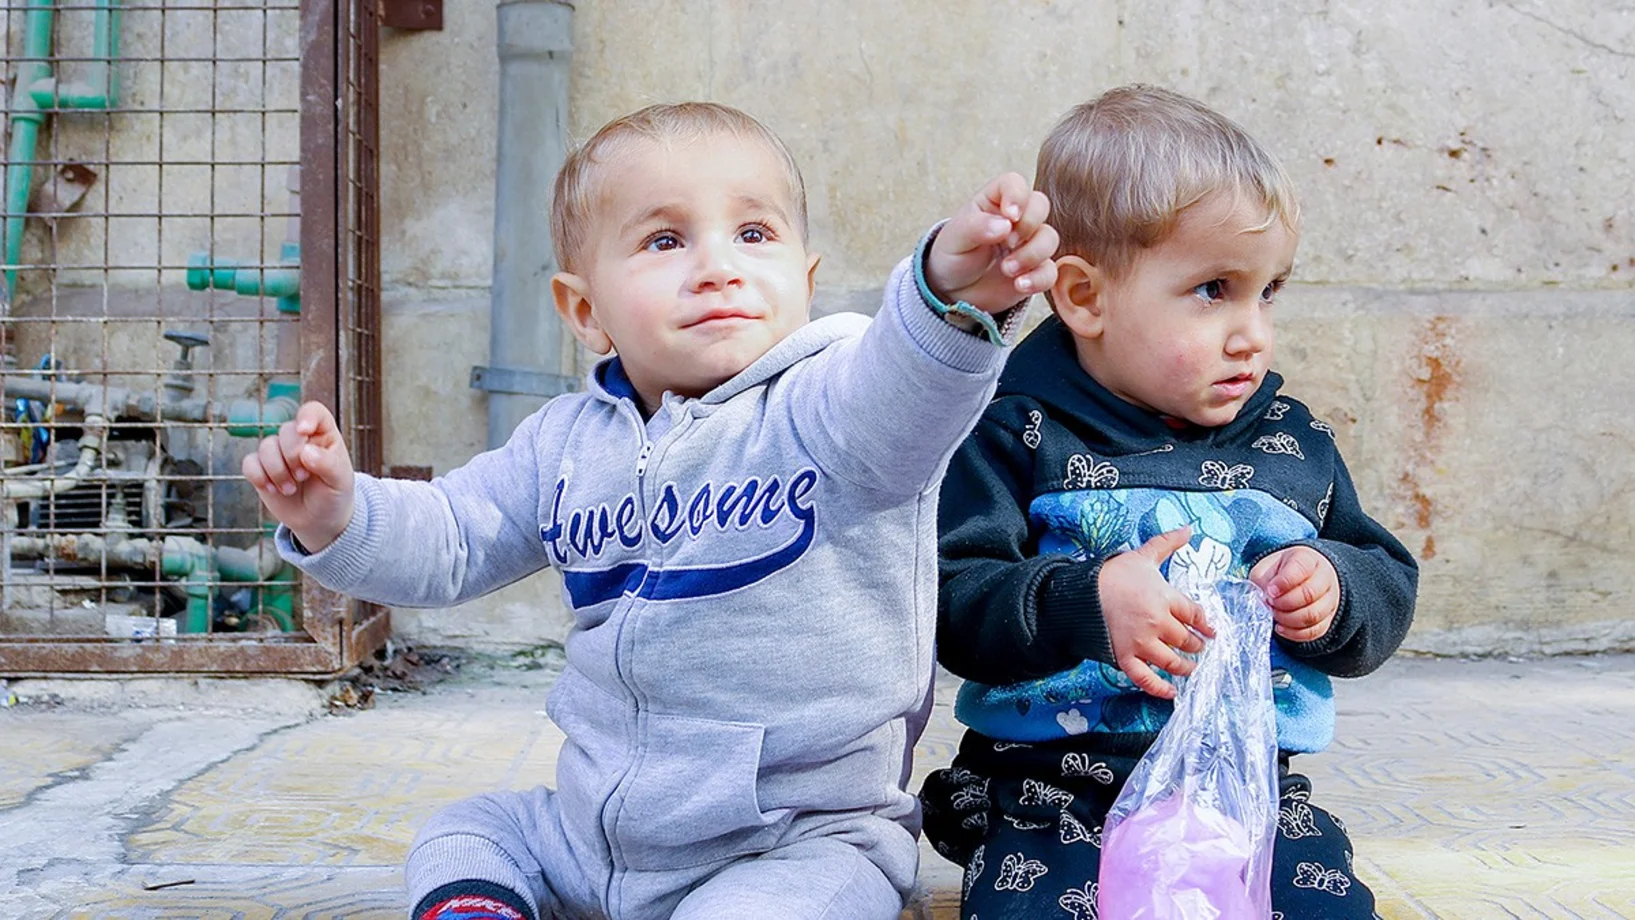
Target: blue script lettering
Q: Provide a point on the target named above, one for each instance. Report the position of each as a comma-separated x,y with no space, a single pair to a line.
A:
585,533
734,506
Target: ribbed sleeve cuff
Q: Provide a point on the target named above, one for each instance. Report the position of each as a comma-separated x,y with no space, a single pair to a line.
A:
461,858
350,558
957,348
941,340
1068,613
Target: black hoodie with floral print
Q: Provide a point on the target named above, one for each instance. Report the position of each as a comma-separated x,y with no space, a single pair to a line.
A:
1060,474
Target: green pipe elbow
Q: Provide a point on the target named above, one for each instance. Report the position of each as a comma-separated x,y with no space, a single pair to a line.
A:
101,90
249,418
196,619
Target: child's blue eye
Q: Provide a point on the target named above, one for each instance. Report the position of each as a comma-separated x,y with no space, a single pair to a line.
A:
1210,291
663,242
1270,293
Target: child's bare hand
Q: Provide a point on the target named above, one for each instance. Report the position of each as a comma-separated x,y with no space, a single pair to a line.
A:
997,250
1302,589
1147,618
303,475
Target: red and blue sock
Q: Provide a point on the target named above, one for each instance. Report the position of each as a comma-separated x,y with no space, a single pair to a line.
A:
473,900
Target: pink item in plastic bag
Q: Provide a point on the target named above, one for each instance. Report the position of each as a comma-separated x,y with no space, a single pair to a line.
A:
1190,835
1177,860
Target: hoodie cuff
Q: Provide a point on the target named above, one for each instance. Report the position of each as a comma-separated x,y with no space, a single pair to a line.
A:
934,336
347,561
1067,612
998,328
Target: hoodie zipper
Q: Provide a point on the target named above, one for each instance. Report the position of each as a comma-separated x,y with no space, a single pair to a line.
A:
609,819
641,460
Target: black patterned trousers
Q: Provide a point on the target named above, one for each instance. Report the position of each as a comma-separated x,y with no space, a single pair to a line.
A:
1026,823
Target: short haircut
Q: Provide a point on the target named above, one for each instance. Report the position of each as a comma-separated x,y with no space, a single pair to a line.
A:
578,184
1121,168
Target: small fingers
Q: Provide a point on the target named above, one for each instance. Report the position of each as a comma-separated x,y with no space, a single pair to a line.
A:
1302,617
331,465
1180,637
290,443
1146,679
314,420
1034,254
274,468
251,466
1161,546
1266,569
1172,661
1294,570
1308,593
1190,613
971,230
1034,213
1304,625
1006,196
1040,279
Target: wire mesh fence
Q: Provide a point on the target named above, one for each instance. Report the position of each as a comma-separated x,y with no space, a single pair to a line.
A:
167,300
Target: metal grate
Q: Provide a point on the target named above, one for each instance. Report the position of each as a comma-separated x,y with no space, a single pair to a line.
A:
190,250
363,256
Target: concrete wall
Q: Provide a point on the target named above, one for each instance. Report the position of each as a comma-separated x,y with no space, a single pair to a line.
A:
1462,310
1463,306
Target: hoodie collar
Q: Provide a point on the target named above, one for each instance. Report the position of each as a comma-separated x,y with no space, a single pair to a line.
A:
1045,367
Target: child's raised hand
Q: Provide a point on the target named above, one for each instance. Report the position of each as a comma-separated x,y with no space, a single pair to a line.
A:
303,475
1147,618
997,250
1303,590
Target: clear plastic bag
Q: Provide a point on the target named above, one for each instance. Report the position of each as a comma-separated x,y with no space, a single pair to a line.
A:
1190,836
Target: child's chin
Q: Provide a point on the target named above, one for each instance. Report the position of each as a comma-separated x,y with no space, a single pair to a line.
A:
733,362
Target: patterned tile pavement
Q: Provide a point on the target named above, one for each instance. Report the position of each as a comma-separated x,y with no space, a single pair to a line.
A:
1487,789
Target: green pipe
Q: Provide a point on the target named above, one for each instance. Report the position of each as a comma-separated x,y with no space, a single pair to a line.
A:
278,600
101,90
196,568
25,132
250,279
248,418
38,89
197,617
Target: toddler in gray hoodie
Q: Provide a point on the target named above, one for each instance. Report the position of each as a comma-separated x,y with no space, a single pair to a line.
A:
742,507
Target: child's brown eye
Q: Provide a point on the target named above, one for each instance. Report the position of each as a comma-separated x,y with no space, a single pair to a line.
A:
752,235
664,242
1270,293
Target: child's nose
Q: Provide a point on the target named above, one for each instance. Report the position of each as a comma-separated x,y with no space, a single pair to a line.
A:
1253,335
716,267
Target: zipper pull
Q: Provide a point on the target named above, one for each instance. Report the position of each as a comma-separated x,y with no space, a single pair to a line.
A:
641,459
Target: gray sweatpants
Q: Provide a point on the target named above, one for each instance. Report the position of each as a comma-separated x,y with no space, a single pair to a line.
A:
518,840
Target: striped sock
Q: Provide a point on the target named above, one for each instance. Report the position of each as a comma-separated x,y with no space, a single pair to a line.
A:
473,900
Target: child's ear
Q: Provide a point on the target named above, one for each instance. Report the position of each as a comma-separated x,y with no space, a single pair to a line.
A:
1076,295
812,261
572,295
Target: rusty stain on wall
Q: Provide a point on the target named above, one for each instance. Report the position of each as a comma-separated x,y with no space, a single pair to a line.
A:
1435,378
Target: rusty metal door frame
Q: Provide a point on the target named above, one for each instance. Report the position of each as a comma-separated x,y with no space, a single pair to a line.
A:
340,344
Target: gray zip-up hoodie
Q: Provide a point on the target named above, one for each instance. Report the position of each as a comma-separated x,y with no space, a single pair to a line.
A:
752,576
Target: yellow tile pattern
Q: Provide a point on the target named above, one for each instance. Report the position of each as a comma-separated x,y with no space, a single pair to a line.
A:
1472,789
41,747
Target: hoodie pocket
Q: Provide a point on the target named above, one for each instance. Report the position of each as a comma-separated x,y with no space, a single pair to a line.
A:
691,798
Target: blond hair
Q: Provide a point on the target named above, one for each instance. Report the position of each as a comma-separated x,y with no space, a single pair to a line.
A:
578,185
1121,168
